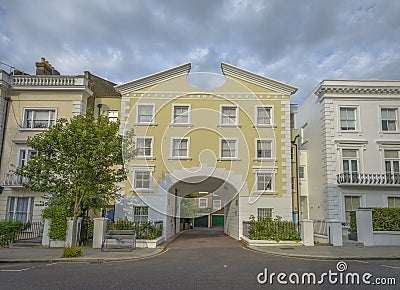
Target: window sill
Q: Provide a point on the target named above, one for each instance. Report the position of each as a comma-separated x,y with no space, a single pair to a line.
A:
142,190
389,132
266,192
146,124
180,158
145,157
33,129
229,126
265,126
228,159
264,159
172,125
359,133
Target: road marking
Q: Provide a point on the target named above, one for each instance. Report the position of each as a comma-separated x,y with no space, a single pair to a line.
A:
393,267
16,270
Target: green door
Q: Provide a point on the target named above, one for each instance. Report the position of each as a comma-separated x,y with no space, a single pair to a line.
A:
201,222
217,221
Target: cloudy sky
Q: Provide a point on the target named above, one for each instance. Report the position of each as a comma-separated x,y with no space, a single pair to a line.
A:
296,42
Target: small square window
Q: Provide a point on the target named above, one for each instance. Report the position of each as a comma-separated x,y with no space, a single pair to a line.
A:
144,147
264,116
203,202
112,116
180,148
217,204
264,182
301,171
181,115
228,148
20,209
264,149
142,179
393,201
145,114
228,115
263,213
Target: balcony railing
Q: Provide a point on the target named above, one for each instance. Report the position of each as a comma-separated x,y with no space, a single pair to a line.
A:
49,81
13,180
387,179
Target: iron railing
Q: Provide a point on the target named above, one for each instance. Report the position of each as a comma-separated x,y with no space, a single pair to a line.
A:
368,179
13,180
320,228
30,231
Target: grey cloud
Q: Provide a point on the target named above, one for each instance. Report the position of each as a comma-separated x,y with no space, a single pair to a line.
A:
297,42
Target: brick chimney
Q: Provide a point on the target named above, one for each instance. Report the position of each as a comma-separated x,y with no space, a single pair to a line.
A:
44,67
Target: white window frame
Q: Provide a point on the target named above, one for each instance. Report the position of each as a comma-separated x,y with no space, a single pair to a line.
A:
219,204
187,157
141,217
304,172
265,170
221,123
236,157
270,140
173,121
151,156
396,122
28,152
271,116
344,203
29,210
303,134
203,199
392,196
34,109
152,122
111,115
356,118
144,168
271,209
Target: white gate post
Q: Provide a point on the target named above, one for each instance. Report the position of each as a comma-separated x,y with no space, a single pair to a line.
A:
364,227
307,232
98,232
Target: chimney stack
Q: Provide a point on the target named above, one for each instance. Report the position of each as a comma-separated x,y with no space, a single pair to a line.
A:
44,67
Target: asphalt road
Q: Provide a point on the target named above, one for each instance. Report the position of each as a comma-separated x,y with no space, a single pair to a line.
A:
201,259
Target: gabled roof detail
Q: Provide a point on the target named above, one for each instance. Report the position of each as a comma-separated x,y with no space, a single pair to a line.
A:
233,71
154,79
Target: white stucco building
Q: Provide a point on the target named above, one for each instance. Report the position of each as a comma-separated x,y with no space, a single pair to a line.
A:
350,148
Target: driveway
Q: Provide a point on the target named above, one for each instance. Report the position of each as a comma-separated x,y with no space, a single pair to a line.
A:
204,238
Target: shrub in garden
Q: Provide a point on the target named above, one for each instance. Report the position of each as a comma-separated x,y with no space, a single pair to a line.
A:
72,252
273,229
8,231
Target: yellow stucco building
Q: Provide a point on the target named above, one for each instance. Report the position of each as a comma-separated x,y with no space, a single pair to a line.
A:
230,143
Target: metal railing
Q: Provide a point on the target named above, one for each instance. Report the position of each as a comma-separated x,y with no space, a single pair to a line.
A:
320,228
369,178
12,179
30,231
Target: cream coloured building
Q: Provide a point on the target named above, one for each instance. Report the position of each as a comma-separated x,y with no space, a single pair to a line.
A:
29,105
232,142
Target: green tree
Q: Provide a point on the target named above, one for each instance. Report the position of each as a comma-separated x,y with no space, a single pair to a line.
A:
79,163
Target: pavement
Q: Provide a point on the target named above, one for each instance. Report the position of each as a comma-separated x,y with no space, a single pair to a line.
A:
90,255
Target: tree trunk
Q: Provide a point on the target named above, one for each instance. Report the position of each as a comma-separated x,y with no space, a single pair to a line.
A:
74,228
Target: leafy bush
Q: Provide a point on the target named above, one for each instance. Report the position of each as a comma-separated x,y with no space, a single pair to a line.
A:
72,252
8,231
146,230
58,221
386,219
273,229
353,223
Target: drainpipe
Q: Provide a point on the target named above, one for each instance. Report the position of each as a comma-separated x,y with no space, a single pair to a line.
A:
3,134
297,180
